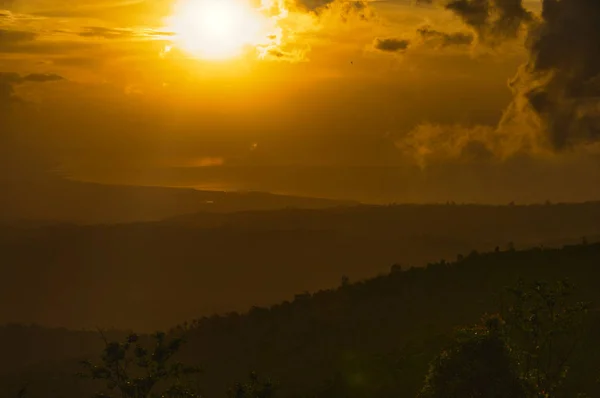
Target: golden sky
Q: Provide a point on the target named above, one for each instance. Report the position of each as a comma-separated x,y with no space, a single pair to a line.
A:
262,94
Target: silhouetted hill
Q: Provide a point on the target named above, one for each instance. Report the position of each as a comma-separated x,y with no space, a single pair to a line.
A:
42,201
527,224
60,275
373,338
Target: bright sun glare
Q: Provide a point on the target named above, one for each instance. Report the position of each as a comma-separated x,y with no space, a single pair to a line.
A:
218,29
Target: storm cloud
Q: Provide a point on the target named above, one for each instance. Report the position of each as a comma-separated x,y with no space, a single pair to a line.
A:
556,93
391,44
492,20
560,83
347,7
443,39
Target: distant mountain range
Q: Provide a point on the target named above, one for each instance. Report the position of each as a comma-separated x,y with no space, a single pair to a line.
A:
42,201
149,275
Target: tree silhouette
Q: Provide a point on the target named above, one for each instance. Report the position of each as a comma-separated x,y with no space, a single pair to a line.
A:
478,364
544,329
525,354
153,367
254,388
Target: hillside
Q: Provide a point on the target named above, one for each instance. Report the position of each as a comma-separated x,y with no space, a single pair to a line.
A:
211,263
48,200
373,338
527,224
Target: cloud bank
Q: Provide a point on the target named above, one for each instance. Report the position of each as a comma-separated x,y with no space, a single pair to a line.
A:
556,103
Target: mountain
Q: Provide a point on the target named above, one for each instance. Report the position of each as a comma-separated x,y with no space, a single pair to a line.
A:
169,271
47,200
373,338
526,224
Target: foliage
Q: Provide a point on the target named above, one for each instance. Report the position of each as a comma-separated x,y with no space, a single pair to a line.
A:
478,364
151,368
393,325
524,354
254,388
544,329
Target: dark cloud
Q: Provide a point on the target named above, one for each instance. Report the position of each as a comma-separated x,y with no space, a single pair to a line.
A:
443,39
106,33
15,78
358,8
9,77
285,54
492,20
391,44
313,5
159,33
561,81
347,7
10,38
277,53
116,33
556,102
78,61
7,93
7,90
42,78
8,81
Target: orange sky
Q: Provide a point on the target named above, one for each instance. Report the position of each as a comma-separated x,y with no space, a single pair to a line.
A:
136,92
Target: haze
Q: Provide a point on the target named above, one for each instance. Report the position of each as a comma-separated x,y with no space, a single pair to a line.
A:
376,101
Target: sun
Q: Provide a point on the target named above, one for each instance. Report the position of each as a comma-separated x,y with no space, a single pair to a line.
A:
217,29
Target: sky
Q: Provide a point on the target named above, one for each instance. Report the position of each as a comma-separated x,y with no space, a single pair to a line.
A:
381,101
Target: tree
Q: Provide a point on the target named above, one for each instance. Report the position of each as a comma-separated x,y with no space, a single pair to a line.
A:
254,388
524,353
345,281
544,329
396,268
151,368
477,364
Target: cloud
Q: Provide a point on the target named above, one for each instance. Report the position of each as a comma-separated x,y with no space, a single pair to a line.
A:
106,33
122,33
11,38
556,93
41,78
205,162
560,84
313,5
7,92
344,8
15,78
431,143
357,8
443,39
492,20
8,81
135,12
391,44
286,53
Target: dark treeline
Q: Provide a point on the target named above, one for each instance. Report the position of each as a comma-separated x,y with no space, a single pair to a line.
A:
373,338
207,263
